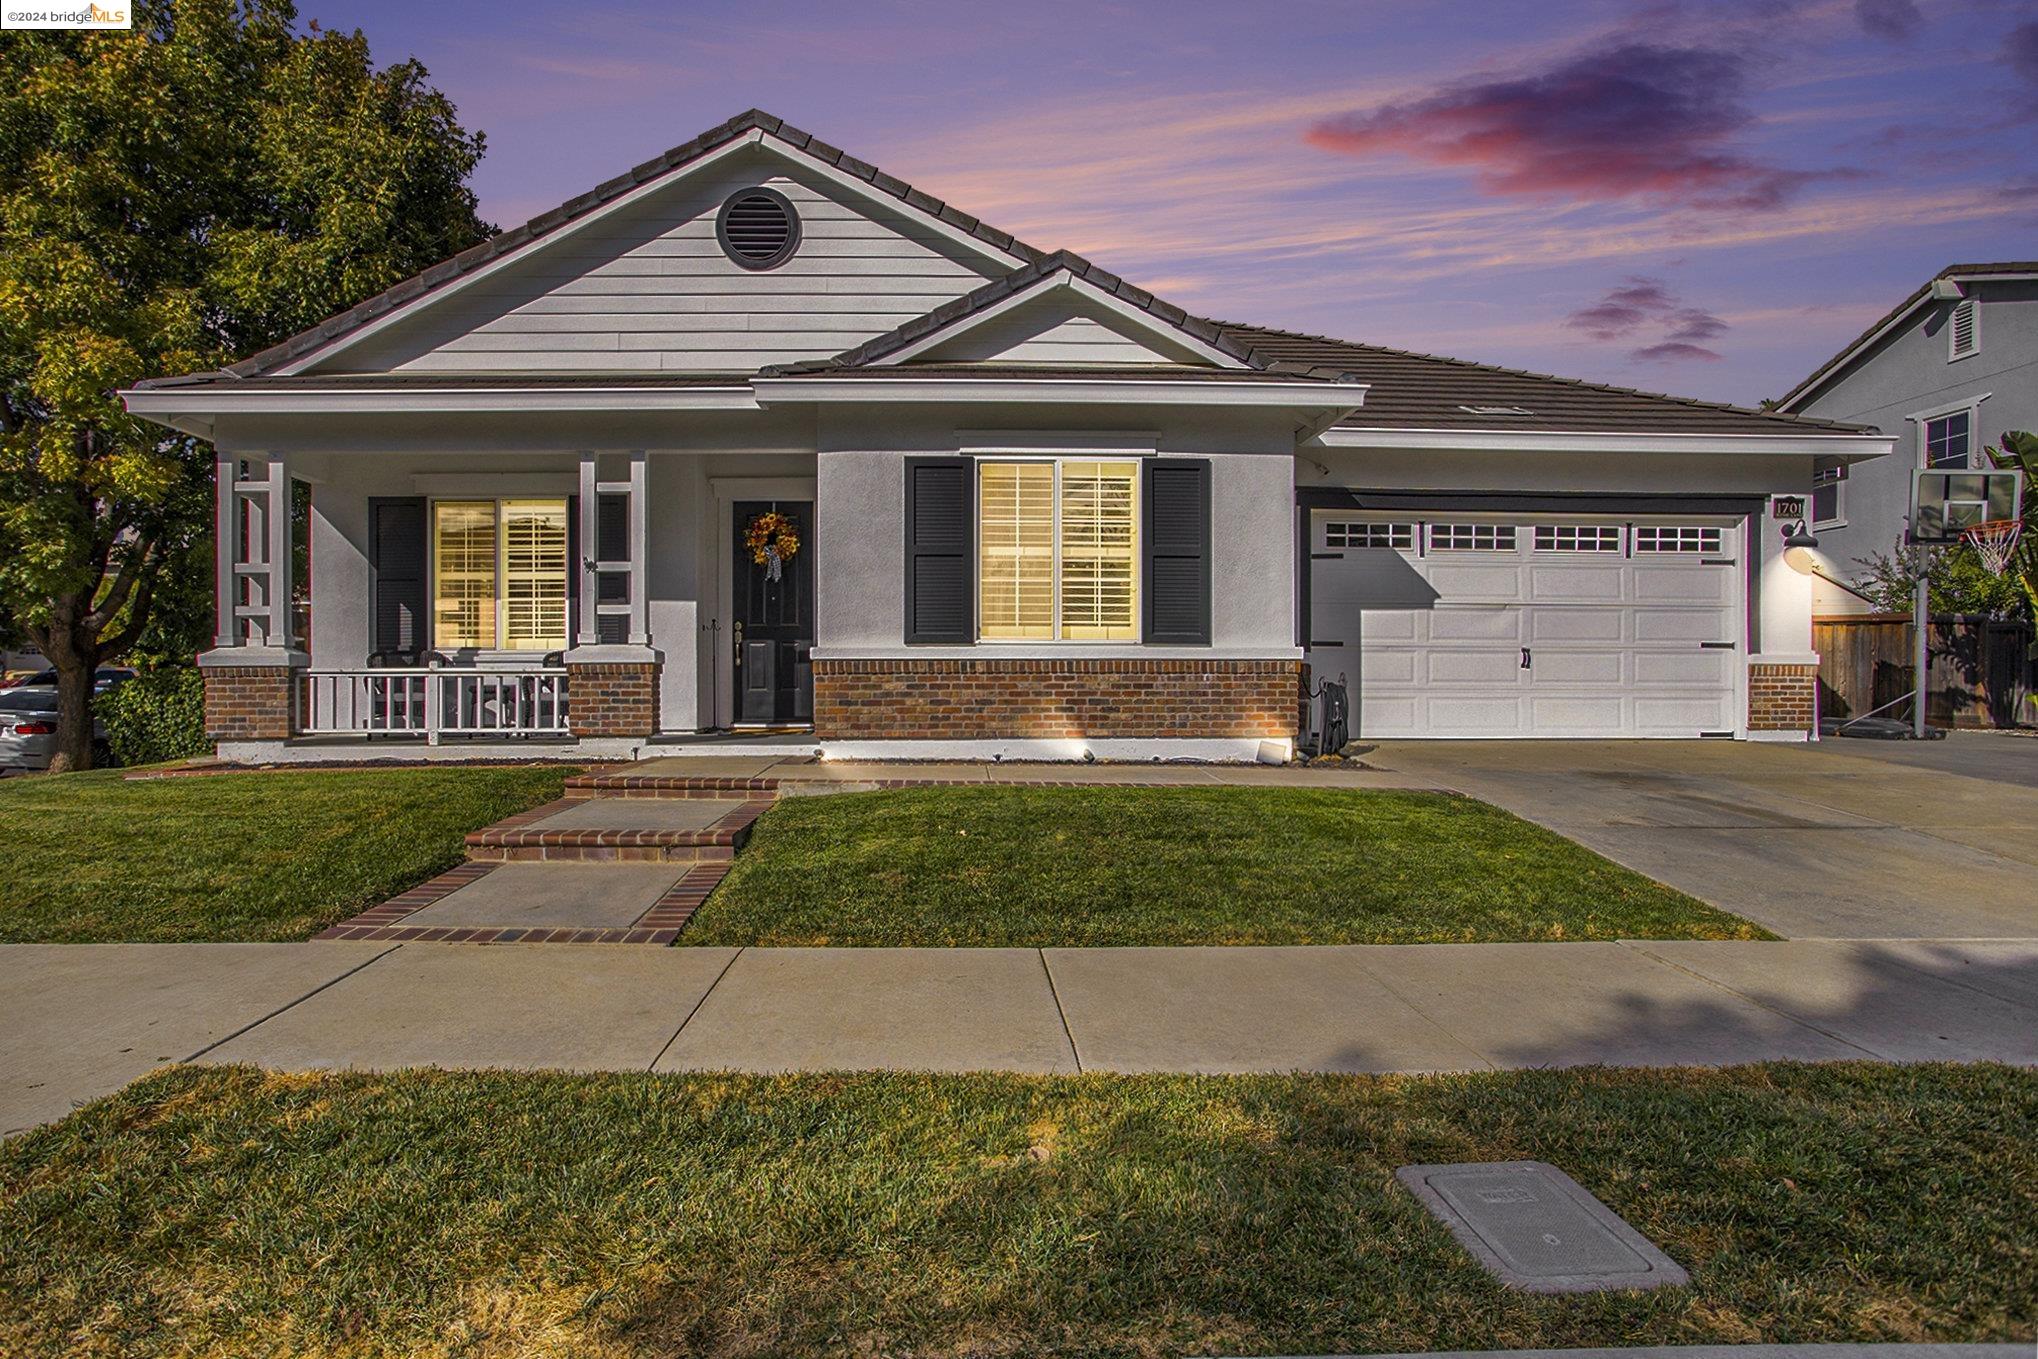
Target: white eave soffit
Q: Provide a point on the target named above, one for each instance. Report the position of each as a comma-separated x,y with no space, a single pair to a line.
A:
755,138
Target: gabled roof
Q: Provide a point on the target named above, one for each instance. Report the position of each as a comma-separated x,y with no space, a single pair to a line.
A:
1426,391
1061,265
1855,346
545,223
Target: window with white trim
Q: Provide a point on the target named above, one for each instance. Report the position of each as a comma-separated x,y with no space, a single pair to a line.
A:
1578,538
1676,538
1058,551
1400,536
1963,329
1829,494
499,574
1947,438
1471,537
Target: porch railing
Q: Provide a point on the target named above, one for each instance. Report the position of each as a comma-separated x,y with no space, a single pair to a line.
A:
434,703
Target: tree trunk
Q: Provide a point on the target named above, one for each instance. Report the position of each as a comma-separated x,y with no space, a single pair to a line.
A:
74,714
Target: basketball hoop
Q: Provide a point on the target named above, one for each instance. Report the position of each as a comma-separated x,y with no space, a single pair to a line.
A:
1993,541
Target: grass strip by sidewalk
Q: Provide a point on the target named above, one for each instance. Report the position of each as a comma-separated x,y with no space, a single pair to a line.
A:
1093,866
94,858
229,1211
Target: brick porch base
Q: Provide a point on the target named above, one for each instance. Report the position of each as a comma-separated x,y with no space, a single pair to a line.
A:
993,699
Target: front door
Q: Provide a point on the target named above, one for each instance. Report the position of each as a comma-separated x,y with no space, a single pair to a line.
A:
773,627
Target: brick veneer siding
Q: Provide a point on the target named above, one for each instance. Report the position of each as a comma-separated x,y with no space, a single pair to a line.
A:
612,699
976,700
249,702
1783,697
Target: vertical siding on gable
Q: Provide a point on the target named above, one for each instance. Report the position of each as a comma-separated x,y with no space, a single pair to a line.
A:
649,289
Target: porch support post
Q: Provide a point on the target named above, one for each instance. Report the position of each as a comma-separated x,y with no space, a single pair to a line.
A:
586,634
278,553
640,575
226,549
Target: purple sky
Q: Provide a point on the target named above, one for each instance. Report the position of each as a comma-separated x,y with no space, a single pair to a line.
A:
1706,198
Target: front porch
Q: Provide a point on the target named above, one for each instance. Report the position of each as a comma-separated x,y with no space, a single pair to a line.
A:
573,606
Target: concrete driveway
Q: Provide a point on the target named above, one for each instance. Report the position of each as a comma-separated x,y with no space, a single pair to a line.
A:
1842,839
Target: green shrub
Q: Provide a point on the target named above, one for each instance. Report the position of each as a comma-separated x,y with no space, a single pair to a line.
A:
155,717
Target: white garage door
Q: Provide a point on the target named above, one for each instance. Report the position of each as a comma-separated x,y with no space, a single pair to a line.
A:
1481,626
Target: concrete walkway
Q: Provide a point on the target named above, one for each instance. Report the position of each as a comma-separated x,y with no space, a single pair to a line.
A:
79,1021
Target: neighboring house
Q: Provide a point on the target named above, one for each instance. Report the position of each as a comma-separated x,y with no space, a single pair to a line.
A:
1022,507
1944,374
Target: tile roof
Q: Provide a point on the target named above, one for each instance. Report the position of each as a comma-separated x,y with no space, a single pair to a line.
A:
1426,391
1847,351
516,238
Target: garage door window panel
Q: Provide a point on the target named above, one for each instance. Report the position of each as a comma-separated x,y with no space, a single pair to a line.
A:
1471,537
1578,538
1657,538
1401,537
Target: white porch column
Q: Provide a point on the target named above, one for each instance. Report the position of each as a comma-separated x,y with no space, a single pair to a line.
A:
251,673
640,574
585,634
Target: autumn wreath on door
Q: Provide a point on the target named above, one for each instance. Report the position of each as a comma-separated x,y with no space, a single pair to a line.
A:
772,541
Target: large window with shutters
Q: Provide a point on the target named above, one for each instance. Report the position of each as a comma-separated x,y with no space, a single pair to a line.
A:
499,574
1058,550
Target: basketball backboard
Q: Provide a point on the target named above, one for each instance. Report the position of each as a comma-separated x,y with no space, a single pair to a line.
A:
1946,503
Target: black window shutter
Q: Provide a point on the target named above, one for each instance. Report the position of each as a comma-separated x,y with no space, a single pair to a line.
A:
941,536
399,552
1177,537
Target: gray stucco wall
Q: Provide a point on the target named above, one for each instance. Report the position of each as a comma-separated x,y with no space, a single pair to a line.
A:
1909,374
861,520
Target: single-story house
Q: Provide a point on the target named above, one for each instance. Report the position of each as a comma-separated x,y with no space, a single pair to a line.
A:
756,436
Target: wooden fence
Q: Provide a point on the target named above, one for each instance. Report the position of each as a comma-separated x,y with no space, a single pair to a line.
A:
1982,671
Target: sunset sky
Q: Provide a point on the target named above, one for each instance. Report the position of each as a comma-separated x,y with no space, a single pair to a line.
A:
1704,198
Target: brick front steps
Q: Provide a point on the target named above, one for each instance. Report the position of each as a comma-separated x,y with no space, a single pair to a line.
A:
518,839
660,924
709,848
622,783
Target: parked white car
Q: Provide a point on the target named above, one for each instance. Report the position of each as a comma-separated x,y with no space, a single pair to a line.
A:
28,727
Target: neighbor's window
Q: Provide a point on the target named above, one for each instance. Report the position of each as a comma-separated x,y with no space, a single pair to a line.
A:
499,574
1057,554
1829,494
1946,439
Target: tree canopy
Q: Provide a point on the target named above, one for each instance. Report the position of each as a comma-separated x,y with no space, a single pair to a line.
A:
173,198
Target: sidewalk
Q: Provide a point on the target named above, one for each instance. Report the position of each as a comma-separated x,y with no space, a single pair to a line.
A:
79,1021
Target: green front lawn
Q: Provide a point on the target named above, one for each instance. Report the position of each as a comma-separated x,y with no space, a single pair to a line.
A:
1093,866
94,858
233,1212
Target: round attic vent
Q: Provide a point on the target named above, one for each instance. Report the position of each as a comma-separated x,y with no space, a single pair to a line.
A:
758,228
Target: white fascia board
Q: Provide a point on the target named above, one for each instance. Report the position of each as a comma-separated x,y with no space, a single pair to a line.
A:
167,405
775,391
1803,393
1846,447
1135,316
1005,259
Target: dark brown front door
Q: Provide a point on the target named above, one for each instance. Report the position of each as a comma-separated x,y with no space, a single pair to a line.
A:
774,620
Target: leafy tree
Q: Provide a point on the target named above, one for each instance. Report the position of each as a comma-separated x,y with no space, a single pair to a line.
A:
2020,450
170,199
1960,583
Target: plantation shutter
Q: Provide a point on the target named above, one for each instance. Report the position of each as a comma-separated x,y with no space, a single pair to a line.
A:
940,550
1176,533
1015,550
397,551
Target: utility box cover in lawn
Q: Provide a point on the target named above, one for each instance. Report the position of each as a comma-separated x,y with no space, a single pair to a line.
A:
1537,1229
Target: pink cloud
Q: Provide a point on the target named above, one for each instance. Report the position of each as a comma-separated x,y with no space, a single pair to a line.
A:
1630,121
